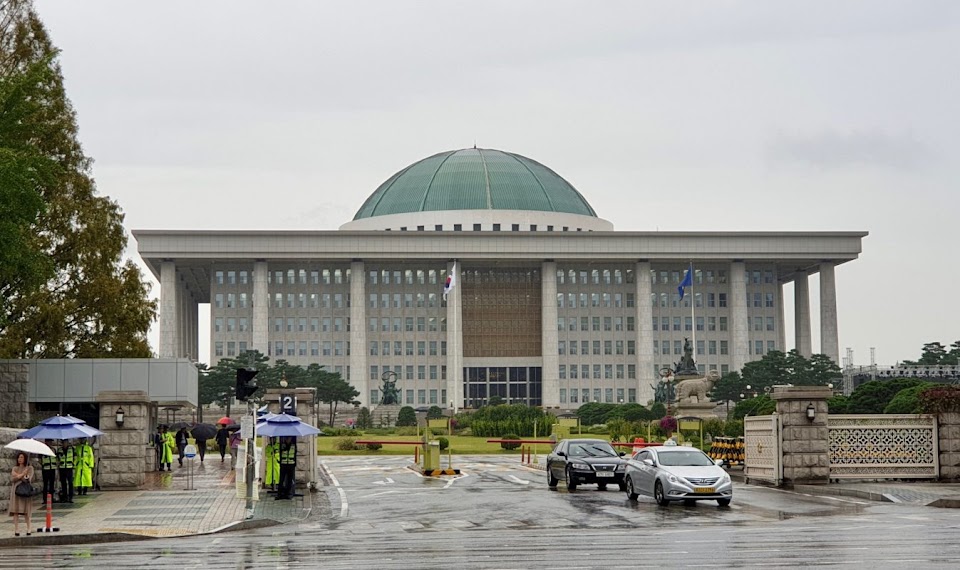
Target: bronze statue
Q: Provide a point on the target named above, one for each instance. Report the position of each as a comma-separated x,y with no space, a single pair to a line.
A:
391,394
686,366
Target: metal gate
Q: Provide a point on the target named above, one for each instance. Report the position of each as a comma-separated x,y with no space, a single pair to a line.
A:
762,442
883,447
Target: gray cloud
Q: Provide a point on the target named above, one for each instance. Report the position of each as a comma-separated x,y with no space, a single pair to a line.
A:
834,149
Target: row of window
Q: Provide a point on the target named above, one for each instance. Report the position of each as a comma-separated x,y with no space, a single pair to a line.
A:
493,227
578,395
593,323
406,348
600,371
594,300
405,300
406,324
309,277
609,347
421,397
411,372
406,276
663,323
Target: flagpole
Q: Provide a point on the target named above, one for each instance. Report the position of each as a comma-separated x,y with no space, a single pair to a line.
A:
693,312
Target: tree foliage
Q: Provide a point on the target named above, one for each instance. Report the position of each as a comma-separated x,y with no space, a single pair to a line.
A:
495,421
434,413
935,353
940,399
907,401
762,405
406,417
789,368
82,300
364,418
873,397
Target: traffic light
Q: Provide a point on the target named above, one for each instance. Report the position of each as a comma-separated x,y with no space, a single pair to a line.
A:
246,385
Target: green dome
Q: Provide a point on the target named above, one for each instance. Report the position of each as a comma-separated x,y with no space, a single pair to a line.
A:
474,179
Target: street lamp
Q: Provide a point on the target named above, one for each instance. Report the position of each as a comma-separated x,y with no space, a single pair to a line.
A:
667,374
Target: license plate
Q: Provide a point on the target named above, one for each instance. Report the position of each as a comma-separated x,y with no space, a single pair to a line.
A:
604,474
703,490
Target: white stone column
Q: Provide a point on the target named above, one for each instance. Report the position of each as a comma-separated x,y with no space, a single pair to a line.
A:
646,376
455,339
781,330
169,337
739,325
801,311
193,348
548,334
260,321
359,374
829,343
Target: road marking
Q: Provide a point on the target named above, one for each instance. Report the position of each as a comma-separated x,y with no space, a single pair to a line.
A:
390,492
343,494
518,480
387,482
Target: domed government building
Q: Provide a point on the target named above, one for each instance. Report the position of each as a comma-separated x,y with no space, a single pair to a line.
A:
549,306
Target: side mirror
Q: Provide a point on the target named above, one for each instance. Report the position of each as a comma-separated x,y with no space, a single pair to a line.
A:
648,462
561,454
718,461
623,454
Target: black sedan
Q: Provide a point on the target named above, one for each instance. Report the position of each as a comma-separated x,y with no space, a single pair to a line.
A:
585,461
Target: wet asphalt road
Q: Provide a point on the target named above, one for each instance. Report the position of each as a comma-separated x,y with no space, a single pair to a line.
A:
498,514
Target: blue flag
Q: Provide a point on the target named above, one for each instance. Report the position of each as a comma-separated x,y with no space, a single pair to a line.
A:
687,282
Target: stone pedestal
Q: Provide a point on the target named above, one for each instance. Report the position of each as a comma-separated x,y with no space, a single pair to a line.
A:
306,446
806,458
704,410
124,449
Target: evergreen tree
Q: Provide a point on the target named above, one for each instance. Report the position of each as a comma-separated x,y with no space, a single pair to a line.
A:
88,303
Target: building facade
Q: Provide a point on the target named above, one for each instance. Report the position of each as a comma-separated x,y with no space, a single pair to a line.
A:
550,306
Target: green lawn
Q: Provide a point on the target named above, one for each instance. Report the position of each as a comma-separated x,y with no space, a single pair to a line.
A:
459,445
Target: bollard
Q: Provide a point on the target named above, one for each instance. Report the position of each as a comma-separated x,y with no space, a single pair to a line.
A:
416,454
49,527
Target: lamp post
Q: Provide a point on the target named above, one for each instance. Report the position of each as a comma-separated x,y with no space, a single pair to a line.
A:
667,374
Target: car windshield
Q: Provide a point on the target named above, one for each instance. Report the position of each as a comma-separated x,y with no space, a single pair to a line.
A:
684,458
591,450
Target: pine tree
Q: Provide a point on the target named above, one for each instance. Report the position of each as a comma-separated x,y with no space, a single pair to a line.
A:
89,303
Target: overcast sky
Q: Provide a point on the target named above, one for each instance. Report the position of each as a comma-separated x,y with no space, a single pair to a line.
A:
717,115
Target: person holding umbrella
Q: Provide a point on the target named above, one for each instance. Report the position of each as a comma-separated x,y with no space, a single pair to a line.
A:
182,439
288,467
222,436
201,433
21,472
48,469
271,455
83,468
66,457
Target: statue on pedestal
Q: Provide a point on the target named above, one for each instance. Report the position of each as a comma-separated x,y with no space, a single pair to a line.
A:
390,392
686,366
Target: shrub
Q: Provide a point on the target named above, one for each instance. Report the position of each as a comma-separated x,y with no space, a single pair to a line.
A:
617,428
374,446
733,428
838,405
658,410
364,419
434,413
444,443
510,445
497,421
872,397
940,399
406,417
405,431
599,429
345,444
907,401
668,424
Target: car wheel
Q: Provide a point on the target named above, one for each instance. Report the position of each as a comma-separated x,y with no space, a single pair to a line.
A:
571,482
659,496
723,502
622,485
551,480
631,493
602,486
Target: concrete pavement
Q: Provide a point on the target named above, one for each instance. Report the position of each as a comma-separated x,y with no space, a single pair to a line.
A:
165,507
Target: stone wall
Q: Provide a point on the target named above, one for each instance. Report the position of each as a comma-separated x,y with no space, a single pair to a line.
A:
949,444
124,449
14,409
806,458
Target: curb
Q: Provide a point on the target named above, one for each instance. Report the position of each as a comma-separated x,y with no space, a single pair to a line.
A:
827,490
53,539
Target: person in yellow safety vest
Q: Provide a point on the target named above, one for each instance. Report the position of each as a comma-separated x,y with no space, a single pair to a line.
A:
271,455
65,456
48,467
167,445
288,467
83,467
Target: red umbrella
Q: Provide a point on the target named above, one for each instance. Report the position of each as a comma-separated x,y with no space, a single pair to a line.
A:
224,421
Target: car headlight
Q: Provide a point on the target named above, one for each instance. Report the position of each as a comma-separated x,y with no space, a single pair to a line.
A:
673,479
724,479
622,467
583,466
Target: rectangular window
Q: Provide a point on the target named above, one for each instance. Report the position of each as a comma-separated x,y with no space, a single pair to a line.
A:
723,299
713,347
723,348
723,323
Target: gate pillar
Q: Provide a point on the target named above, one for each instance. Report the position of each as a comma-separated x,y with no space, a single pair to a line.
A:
806,444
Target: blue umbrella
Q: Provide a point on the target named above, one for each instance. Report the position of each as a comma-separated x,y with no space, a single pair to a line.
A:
60,432
283,425
59,420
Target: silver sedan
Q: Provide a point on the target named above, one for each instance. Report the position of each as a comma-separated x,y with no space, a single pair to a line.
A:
676,473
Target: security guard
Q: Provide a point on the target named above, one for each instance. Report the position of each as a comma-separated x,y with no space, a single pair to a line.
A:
271,454
48,466
288,467
83,468
65,456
